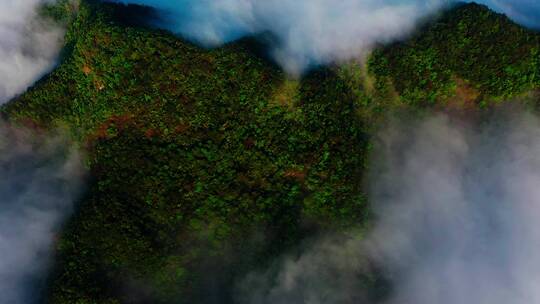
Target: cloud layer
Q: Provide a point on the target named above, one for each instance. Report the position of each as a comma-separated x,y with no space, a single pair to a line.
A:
29,46
307,31
40,179
312,32
457,204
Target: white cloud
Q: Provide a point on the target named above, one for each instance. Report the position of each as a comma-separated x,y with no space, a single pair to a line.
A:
29,46
458,205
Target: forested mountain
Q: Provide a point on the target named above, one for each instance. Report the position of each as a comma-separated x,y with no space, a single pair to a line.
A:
207,163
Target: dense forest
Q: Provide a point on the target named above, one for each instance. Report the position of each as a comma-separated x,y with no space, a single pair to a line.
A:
215,161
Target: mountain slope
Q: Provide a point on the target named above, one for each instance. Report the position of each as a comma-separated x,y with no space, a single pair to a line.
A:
193,158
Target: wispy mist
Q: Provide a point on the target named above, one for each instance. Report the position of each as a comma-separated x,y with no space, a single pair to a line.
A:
457,206
40,178
29,45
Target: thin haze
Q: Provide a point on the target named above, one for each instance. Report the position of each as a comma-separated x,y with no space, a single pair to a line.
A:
457,206
40,179
29,46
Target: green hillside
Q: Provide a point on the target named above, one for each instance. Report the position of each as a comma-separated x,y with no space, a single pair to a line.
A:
470,52
214,161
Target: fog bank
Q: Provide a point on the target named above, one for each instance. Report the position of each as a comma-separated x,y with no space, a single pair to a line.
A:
29,46
40,179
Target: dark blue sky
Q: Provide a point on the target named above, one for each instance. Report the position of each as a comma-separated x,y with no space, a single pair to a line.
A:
526,12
